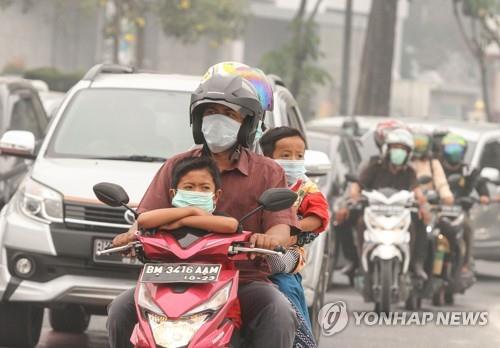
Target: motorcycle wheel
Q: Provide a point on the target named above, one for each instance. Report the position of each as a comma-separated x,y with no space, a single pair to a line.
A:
386,282
438,297
413,302
449,297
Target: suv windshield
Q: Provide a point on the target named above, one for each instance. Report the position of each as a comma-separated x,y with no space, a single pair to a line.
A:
131,124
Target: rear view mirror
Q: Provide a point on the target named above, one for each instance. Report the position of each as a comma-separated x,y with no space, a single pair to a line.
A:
277,199
432,197
111,194
424,180
317,163
18,143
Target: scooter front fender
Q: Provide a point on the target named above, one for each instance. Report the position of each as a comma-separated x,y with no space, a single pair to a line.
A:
386,252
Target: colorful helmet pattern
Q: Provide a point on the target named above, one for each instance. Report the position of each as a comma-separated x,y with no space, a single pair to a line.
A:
423,145
255,76
453,147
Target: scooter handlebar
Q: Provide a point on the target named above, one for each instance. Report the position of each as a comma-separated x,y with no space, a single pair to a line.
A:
118,249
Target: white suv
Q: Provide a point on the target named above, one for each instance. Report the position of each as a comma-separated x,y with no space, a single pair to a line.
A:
114,125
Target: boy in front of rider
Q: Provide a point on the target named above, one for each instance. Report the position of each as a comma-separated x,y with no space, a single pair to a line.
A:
195,191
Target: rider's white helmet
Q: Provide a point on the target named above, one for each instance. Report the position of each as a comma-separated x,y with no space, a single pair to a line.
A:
399,136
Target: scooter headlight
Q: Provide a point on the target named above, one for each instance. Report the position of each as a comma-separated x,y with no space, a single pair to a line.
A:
178,333
175,333
145,300
40,202
215,303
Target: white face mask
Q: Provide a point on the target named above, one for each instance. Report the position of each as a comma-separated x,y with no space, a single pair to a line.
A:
220,132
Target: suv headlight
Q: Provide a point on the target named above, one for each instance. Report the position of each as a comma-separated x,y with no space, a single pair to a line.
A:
40,202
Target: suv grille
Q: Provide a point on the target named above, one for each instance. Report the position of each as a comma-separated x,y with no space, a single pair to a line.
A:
94,216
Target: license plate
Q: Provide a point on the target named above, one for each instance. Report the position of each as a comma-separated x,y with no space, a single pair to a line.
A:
180,273
101,244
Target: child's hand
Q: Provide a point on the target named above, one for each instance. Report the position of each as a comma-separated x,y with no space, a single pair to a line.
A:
199,212
174,225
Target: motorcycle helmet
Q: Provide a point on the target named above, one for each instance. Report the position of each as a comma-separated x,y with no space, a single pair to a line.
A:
383,128
423,145
400,136
437,137
239,87
453,148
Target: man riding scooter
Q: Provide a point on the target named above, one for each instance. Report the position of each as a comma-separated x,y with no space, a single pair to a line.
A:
453,149
393,170
225,111
345,220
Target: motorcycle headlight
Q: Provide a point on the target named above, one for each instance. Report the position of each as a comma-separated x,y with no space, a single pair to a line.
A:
178,333
40,202
215,303
145,300
175,333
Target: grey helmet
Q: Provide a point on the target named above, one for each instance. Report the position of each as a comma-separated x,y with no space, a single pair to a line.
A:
233,91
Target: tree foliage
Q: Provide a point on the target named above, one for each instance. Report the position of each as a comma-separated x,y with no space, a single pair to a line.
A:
482,32
189,20
296,60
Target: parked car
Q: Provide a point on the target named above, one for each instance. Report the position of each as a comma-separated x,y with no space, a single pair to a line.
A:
20,109
114,125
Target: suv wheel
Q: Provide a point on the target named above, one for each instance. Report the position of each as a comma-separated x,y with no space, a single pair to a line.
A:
21,324
72,318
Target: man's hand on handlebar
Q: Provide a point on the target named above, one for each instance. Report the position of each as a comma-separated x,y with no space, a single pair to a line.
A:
264,241
484,200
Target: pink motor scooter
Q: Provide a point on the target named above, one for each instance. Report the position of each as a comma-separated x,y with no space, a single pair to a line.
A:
186,295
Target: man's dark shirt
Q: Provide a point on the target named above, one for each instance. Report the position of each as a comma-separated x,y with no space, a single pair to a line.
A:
377,175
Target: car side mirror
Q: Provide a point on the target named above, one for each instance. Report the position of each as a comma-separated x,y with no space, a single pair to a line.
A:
111,194
490,174
277,199
18,143
317,163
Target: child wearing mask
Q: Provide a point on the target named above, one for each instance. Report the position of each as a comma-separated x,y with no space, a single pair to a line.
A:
287,147
195,190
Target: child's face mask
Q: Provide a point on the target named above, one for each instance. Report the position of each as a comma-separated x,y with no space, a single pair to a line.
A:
202,200
294,169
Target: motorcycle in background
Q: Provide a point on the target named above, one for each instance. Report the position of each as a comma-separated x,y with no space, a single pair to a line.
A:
385,257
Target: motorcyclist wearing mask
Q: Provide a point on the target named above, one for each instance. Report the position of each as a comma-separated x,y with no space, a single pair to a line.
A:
393,170
345,220
225,112
453,150
425,165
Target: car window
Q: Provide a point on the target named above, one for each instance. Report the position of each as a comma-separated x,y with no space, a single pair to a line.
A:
24,116
491,155
123,122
